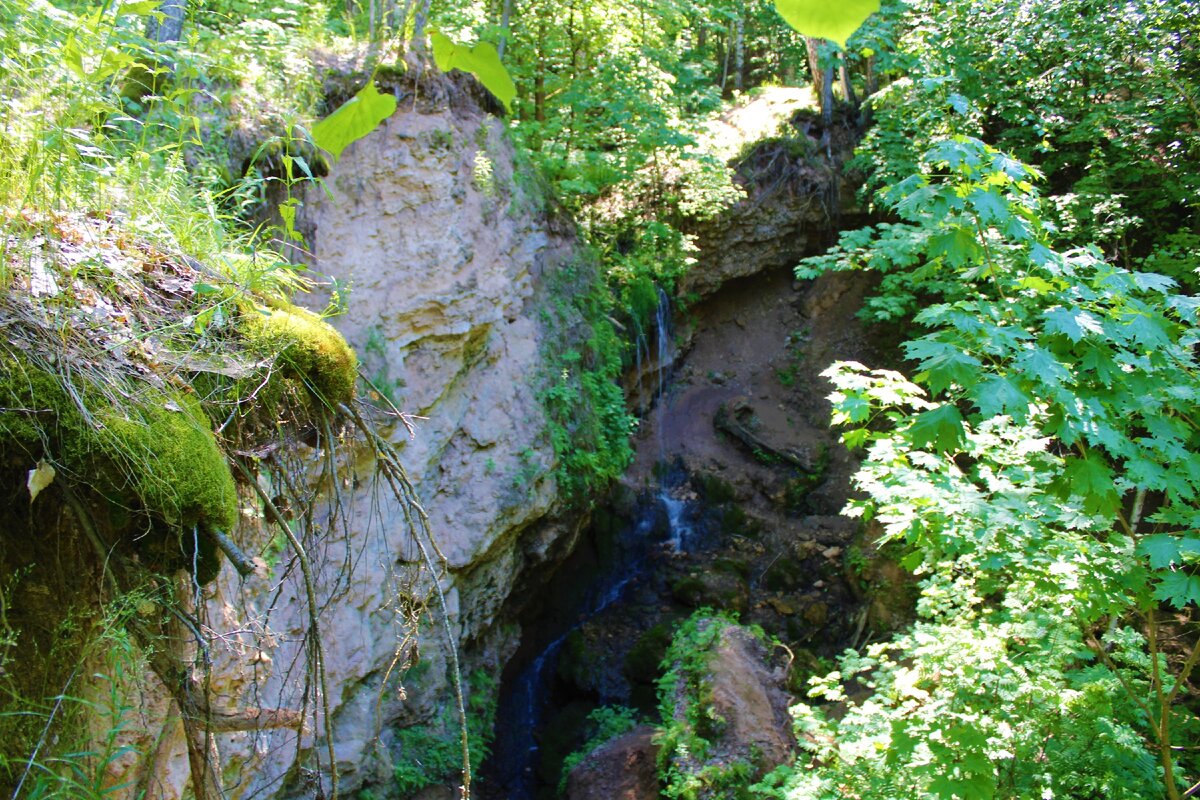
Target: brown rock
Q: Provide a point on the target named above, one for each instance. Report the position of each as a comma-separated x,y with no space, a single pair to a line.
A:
624,768
747,707
749,697
782,606
816,614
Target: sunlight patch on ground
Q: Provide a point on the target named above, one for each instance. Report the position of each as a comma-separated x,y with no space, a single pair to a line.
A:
757,115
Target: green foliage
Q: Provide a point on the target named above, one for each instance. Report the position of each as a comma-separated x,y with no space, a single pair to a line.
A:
481,60
431,753
1002,702
353,119
823,20
67,718
1043,454
588,420
1099,98
603,724
1051,398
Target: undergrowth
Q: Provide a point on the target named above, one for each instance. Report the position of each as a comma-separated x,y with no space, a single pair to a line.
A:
586,412
429,754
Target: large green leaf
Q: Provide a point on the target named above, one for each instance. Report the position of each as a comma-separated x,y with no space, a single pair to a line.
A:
940,430
482,61
822,19
353,120
1090,478
1178,589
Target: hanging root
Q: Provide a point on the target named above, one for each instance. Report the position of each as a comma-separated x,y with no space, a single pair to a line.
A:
241,562
388,464
314,631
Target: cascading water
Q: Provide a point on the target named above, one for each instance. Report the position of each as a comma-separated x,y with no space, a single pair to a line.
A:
525,705
678,527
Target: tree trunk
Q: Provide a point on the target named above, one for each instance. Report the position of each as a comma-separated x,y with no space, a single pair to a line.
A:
504,18
418,36
848,87
822,81
871,87
165,24
739,67
539,80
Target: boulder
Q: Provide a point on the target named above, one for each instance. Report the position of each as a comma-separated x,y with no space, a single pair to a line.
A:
624,768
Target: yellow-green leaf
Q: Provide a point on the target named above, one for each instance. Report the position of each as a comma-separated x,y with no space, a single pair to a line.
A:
482,61
353,119
138,9
823,19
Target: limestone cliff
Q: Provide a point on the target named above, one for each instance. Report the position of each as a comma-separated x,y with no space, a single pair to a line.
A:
437,253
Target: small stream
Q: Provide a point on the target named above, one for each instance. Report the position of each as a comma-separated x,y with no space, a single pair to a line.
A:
615,561
606,574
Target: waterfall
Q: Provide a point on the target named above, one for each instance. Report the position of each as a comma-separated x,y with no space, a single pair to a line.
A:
527,705
677,525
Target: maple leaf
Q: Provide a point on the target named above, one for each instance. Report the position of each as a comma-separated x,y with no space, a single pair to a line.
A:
941,427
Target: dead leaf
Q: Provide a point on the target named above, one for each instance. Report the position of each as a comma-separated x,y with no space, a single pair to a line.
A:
39,478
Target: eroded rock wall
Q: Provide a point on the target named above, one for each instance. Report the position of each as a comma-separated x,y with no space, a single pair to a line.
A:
438,251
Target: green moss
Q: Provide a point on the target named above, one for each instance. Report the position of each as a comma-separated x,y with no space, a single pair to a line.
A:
156,445
185,478
643,660
713,489
308,347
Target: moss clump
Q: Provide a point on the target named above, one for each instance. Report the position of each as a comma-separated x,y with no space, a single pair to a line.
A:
156,445
310,349
186,480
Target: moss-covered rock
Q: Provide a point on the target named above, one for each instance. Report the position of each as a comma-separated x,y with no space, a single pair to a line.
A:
309,348
156,445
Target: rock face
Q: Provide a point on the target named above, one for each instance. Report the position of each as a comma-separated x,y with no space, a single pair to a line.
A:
751,700
741,712
437,253
442,256
796,195
623,768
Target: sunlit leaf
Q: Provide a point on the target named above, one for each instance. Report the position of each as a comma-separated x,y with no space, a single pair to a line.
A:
482,61
1073,324
821,19
1178,589
1162,550
940,429
39,478
1091,479
353,120
138,9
